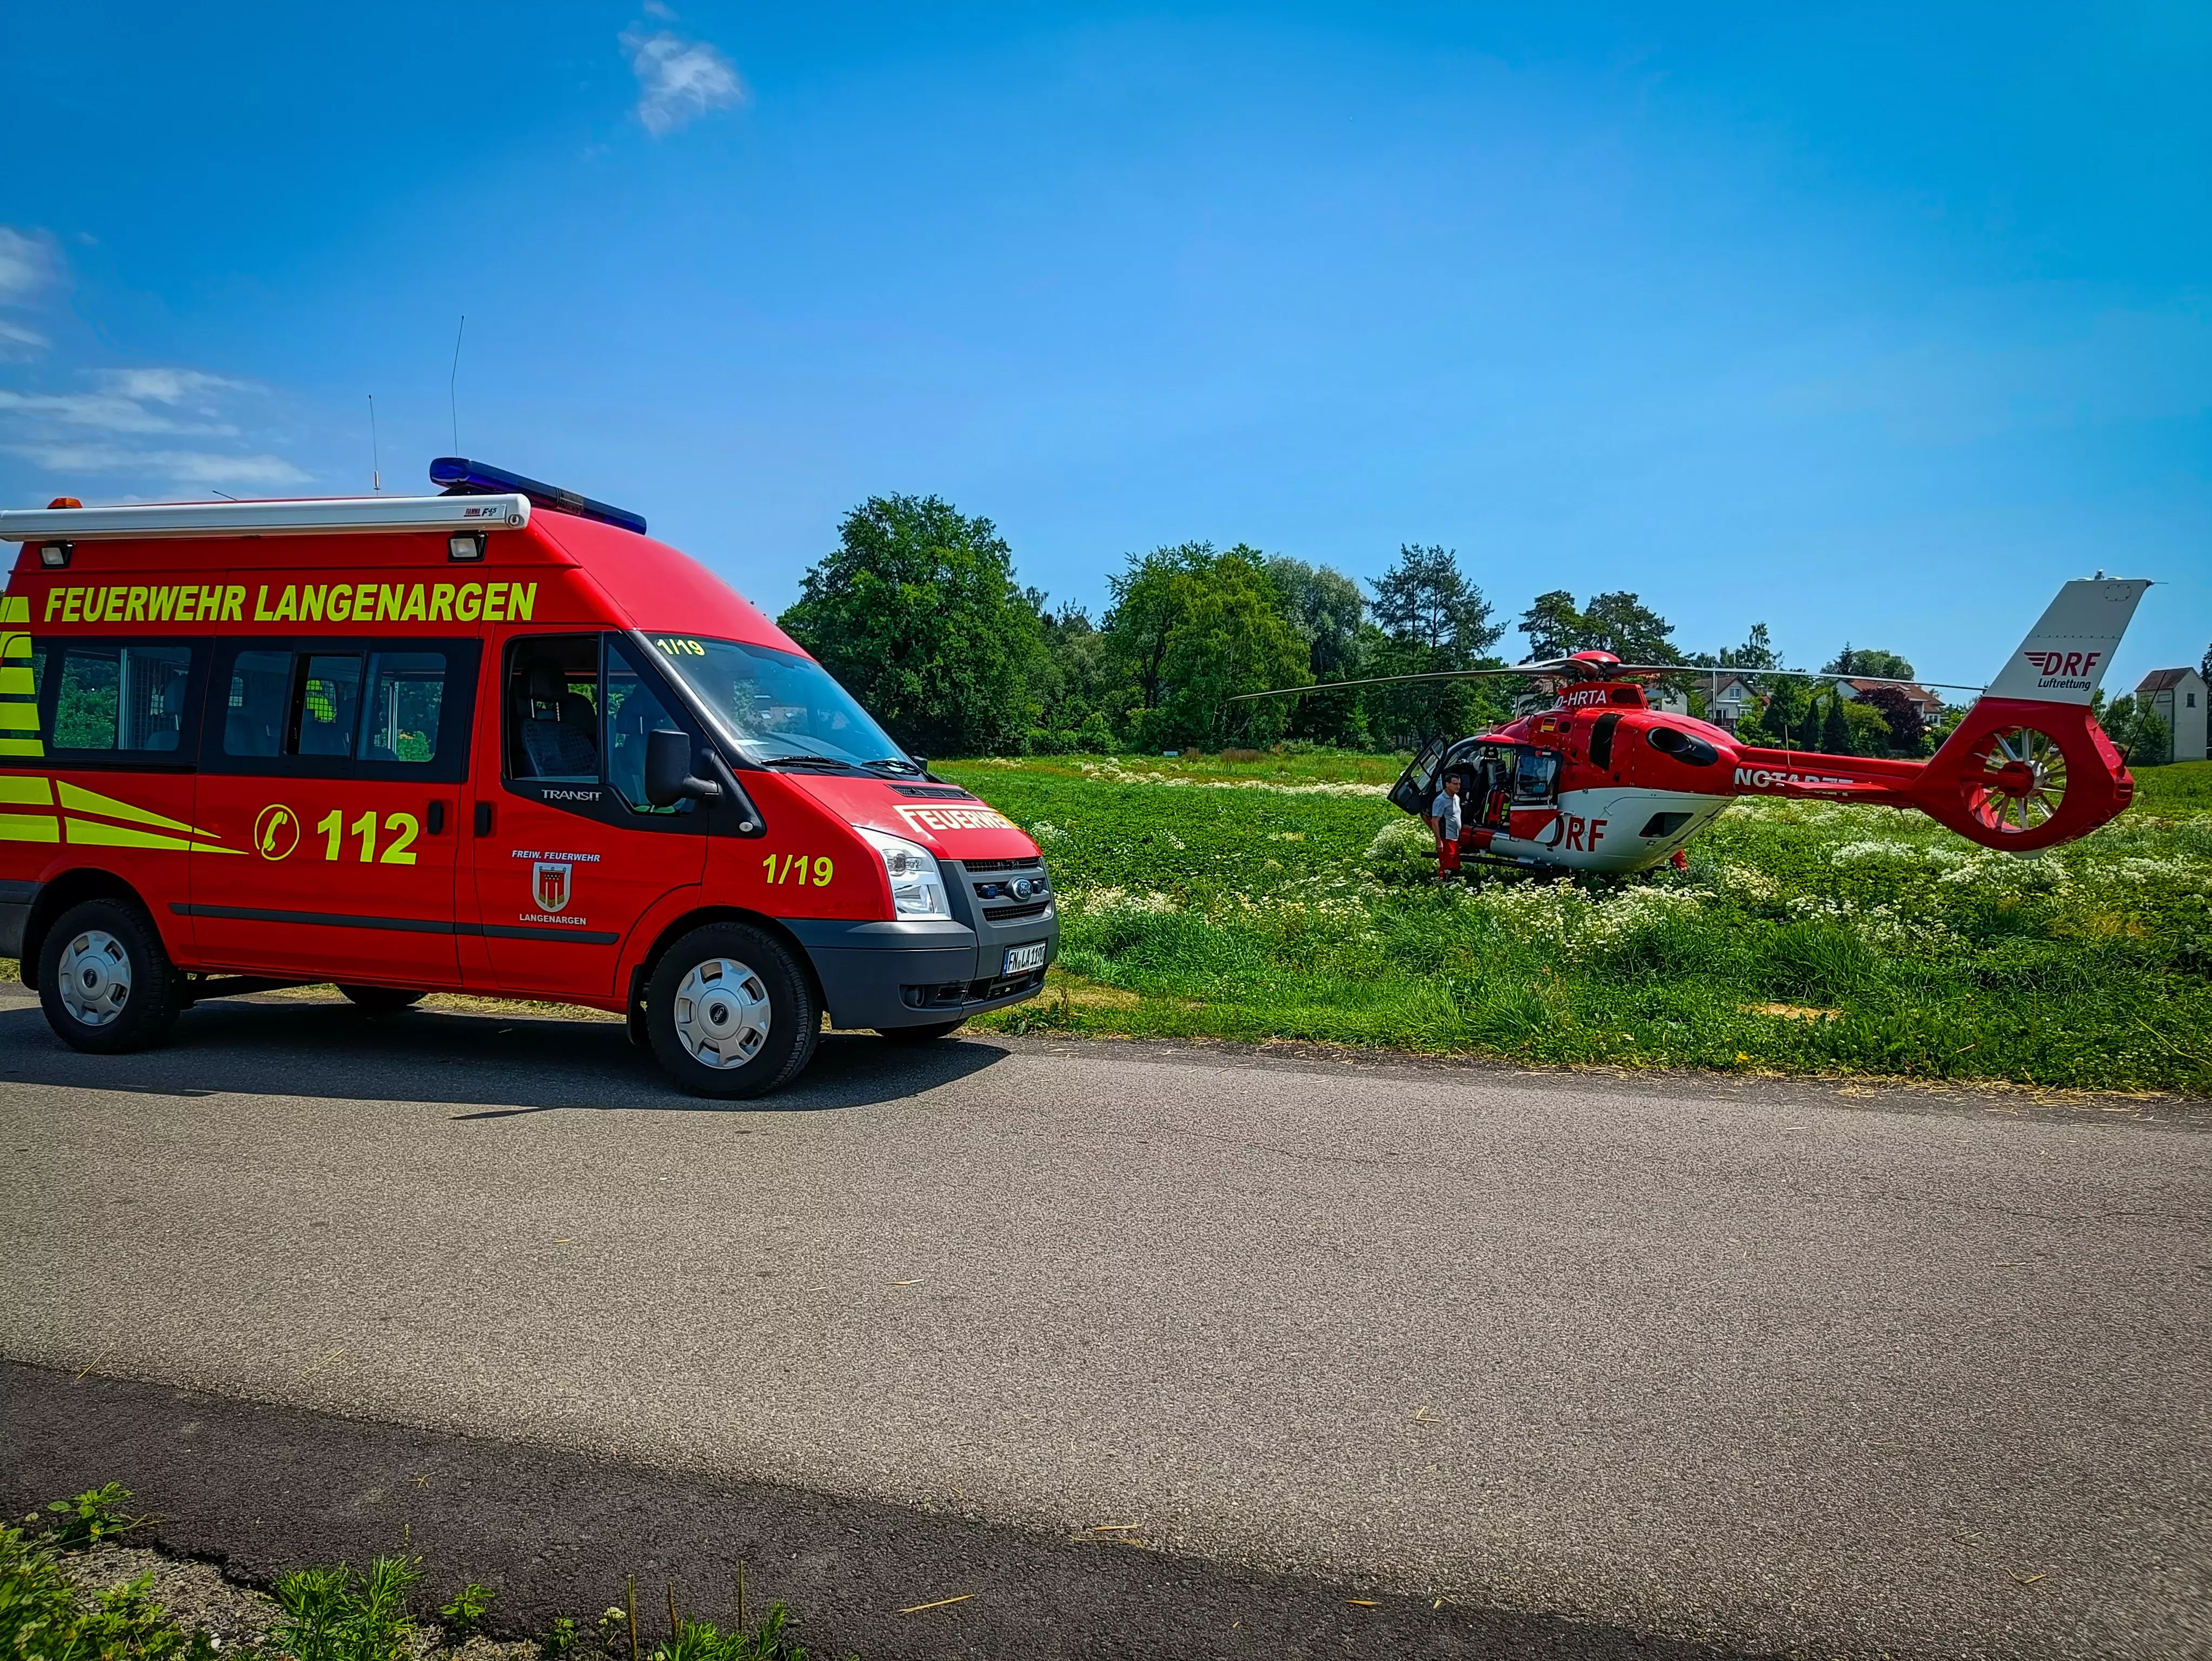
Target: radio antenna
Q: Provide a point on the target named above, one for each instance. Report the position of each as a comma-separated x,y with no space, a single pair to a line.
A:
453,381
376,471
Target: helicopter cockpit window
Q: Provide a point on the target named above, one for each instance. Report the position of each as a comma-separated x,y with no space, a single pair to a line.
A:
1535,777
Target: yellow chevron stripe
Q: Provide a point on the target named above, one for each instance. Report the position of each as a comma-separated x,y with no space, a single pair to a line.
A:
29,827
14,608
26,786
19,717
91,801
16,678
93,833
21,747
16,646
119,835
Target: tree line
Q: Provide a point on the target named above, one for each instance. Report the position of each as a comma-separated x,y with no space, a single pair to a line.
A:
918,613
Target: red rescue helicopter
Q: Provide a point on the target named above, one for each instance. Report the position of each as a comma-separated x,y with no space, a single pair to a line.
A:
1603,781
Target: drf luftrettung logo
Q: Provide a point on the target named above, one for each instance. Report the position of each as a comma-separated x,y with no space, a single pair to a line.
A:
2071,669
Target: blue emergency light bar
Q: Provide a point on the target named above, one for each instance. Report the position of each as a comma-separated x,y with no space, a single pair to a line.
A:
456,476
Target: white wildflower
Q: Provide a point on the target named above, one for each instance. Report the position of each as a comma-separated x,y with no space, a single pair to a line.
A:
1878,849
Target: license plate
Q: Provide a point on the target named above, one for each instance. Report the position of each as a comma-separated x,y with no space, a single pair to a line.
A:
1020,959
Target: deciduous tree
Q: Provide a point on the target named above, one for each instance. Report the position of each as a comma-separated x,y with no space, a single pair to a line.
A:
916,613
1907,726
1757,651
1618,623
1190,629
1870,661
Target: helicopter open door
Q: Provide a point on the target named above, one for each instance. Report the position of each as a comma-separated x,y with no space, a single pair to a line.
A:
1416,786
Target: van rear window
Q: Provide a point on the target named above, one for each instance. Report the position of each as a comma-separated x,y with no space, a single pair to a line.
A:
341,708
368,705
126,700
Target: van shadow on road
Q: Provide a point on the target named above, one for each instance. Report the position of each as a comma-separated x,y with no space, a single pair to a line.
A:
499,1065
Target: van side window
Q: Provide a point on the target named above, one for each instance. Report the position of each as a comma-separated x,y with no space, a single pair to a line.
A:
124,702
633,711
580,709
406,691
260,695
553,709
328,709
345,711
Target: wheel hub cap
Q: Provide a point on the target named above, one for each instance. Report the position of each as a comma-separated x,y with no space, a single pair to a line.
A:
95,978
721,1013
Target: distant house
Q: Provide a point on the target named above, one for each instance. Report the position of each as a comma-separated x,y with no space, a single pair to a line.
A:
1727,694
2178,695
1930,704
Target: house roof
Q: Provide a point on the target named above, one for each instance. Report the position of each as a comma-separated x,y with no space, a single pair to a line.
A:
1920,695
2164,680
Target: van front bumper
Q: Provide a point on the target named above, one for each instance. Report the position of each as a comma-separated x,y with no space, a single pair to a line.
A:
884,974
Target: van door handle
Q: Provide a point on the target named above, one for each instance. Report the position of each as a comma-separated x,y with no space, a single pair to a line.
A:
437,818
484,819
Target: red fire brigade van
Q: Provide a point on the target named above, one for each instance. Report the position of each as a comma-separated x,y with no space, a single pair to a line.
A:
496,740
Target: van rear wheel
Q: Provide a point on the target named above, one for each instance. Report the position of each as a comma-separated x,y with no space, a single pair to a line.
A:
380,1000
731,1013
105,982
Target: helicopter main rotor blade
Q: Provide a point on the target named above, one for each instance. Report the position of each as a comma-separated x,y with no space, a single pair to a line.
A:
1582,669
1548,669
1833,674
1378,680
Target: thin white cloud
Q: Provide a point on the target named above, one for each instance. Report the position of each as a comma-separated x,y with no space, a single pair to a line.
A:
91,432
679,80
165,386
184,466
28,262
104,412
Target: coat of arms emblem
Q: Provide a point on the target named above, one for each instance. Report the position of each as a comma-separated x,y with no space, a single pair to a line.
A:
550,885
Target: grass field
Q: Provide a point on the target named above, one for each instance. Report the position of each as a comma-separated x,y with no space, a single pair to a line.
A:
1284,898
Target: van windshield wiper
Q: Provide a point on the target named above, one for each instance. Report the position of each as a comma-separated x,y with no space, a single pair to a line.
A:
807,761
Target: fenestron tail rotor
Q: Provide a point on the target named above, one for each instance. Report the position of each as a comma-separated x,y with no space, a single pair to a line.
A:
2020,783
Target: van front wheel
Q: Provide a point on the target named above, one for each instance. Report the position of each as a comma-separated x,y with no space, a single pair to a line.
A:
105,982
731,1013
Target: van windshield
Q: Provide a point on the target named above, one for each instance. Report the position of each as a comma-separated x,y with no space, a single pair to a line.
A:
780,706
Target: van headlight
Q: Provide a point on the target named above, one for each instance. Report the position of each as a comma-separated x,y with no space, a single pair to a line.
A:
917,886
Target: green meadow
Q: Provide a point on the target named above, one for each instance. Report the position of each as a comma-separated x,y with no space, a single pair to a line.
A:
1265,897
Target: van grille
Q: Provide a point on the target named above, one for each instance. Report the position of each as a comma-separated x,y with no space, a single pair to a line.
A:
1015,913
1002,865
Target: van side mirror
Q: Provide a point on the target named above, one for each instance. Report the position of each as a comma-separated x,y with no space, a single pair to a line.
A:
668,776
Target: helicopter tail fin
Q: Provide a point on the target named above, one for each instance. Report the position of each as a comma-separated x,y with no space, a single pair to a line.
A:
2029,766
2064,657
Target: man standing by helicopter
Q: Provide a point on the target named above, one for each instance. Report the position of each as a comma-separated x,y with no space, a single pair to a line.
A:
1444,819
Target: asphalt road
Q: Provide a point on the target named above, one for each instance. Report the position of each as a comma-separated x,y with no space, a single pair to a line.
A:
1774,1367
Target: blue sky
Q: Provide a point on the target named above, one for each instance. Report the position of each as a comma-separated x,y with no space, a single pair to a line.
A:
1870,324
